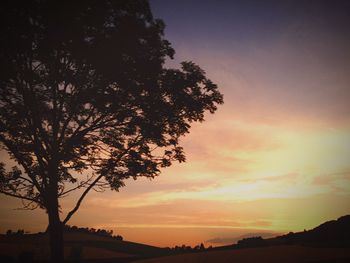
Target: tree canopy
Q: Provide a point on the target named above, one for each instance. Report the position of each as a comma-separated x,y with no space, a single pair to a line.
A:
86,100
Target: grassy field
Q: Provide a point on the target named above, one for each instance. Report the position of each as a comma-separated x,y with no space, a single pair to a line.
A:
78,246
275,254
327,243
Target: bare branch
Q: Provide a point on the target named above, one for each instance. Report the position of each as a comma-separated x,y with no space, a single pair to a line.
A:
19,196
80,185
26,179
70,214
28,206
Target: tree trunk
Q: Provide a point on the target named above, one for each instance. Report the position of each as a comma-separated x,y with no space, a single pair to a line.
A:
55,232
55,224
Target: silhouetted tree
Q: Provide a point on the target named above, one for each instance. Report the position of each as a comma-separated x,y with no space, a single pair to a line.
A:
118,237
251,242
83,89
20,232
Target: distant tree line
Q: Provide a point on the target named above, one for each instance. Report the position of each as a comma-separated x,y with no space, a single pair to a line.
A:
189,249
73,229
257,241
19,232
98,232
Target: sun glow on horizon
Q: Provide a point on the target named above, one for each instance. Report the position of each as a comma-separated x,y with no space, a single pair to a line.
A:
274,158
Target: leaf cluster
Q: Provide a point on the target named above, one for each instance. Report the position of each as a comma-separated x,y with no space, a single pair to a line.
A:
83,88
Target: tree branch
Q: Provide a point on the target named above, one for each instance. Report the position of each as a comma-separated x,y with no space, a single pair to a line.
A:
82,184
70,214
11,148
20,196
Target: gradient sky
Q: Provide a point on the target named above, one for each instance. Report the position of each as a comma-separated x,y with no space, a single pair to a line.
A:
274,158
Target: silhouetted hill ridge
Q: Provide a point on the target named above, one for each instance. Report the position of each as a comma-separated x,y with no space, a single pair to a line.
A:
331,234
341,224
36,244
334,233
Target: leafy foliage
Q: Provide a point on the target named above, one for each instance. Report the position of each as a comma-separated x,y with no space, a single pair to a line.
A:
84,90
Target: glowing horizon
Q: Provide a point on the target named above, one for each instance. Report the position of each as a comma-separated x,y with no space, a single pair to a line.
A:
274,158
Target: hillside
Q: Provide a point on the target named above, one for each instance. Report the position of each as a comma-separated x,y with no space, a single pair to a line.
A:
77,246
334,233
326,243
273,254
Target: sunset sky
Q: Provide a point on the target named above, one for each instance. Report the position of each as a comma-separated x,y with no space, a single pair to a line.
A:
274,158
